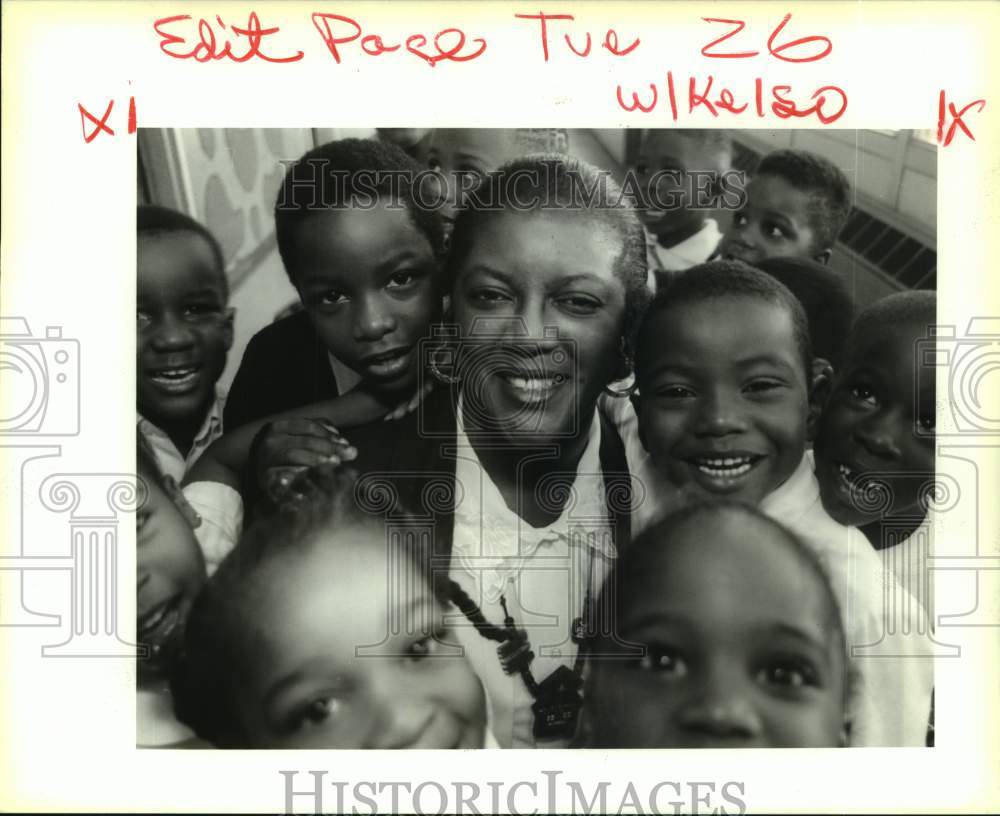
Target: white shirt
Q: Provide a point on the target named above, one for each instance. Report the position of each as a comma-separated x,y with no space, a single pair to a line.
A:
221,511
909,561
543,573
690,252
887,632
168,457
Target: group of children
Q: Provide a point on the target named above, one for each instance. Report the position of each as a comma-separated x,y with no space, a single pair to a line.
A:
765,424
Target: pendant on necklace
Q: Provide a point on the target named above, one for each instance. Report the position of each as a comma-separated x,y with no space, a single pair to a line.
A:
557,705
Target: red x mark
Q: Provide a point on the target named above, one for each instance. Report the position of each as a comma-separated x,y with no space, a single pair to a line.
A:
957,121
101,123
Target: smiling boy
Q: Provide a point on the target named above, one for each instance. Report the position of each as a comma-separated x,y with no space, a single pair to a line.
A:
184,331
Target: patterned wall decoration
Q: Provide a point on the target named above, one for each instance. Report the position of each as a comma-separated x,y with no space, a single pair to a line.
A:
225,178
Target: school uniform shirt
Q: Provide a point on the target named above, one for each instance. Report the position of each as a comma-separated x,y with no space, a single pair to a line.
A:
689,252
169,459
220,509
909,561
890,702
543,574
285,365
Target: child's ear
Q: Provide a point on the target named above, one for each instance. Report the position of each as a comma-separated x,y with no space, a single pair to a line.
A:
820,384
823,257
230,316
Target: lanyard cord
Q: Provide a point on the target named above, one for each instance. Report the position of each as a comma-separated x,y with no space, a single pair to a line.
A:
514,650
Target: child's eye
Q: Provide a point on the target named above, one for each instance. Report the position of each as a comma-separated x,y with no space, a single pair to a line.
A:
662,660
433,163
401,278
142,518
775,233
927,424
789,674
740,219
201,309
762,386
316,712
862,393
332,298
424,647
674,391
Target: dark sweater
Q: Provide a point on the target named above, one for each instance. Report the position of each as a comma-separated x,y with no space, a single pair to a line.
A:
285,365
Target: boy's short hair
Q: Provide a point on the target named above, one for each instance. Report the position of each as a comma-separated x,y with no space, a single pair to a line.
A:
914,306
824,295
151,220
330,176
827,186
719,279
555,183
323,498
654,538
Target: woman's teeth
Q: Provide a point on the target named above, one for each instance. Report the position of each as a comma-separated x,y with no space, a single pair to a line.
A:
535,385
728,467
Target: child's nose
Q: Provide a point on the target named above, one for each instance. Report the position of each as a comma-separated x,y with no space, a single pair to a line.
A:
718,416
403,721
878,438
371,320
721,709
172,333
728,719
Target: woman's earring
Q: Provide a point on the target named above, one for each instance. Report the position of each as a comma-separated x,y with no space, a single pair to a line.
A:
629,379
627,391
439,375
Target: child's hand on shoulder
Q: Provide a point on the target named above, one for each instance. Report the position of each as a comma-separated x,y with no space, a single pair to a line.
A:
285,447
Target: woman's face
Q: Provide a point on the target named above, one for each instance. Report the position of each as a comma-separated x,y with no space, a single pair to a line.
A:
541,314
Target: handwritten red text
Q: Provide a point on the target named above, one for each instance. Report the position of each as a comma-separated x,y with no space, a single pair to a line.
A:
208,47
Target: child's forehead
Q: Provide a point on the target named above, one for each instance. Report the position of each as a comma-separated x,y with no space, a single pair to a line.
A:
899,340
735,554
779,193
183,258
735,311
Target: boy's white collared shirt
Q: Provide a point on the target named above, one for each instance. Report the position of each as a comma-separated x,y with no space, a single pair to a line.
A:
542,572
887,631
168,457
690,252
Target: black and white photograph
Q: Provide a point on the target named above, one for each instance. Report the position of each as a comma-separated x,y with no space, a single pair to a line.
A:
567,408
528,438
